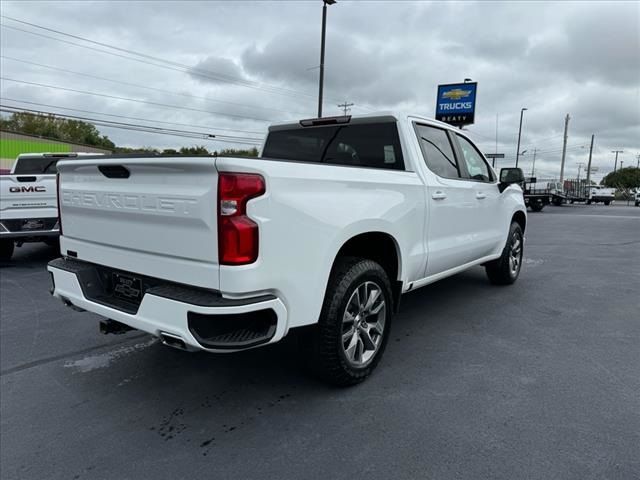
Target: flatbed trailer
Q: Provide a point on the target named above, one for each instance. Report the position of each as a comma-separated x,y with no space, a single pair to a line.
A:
535,196
578,191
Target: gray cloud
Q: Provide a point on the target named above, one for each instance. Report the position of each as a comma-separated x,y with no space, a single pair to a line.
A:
552,57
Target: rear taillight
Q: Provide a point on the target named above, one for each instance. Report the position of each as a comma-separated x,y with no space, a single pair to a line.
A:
237,233
59,202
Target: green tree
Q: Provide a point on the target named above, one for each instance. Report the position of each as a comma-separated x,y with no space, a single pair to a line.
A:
238,152
197,150
624,178
50,126
138,150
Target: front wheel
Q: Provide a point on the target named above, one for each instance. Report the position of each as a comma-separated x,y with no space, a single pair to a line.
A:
348,342
506,269
607,202
6,249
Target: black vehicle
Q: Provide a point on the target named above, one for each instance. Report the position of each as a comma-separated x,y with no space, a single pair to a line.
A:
535,195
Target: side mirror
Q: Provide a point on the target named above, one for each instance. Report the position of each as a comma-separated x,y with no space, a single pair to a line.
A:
509,176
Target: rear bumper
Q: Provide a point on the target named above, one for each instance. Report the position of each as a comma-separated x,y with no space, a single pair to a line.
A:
203,320
13,228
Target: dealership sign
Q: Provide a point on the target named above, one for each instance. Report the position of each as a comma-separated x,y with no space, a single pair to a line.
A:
456,103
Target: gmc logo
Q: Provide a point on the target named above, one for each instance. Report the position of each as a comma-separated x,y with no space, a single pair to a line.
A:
32,189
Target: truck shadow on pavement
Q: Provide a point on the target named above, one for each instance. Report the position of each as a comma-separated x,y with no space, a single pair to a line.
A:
200,399
154,366
35,255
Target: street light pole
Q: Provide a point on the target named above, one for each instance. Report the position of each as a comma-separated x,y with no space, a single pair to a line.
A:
322,41
519,135
615,168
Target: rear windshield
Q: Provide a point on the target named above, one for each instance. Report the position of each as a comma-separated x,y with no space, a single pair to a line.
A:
374,145
36,165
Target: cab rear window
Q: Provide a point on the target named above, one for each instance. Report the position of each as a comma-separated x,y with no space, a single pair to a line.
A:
375,145
35,165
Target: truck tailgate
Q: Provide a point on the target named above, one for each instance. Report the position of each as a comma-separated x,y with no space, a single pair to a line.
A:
152,216
28,196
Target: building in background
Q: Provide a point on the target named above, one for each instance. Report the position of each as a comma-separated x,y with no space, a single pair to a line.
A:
12,144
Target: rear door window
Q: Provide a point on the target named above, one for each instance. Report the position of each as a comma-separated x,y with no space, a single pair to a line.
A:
437,151
374,145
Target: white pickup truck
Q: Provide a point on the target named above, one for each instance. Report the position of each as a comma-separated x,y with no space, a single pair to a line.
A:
598,193
326,230
29,201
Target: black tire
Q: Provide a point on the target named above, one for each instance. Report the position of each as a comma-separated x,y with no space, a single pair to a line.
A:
323,345
6,249
588,202
500,271
53,243
536,206
607,202
637,204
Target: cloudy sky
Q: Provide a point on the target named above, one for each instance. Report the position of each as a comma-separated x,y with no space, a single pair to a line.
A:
232,67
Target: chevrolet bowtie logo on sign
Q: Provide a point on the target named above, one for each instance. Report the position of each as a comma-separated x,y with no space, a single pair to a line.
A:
456,103
457,94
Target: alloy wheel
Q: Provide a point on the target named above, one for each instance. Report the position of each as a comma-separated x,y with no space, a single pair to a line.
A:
363,323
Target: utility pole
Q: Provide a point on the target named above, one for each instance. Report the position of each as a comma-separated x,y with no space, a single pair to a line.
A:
324,33
564,147
637,161
615,168
533,166
519,135
589,164
345,106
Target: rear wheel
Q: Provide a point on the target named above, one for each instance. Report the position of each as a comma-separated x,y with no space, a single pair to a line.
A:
536,206
348,342
607,202
505,270
6,249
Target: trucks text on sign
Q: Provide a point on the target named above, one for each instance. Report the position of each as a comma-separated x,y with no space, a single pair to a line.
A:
456,103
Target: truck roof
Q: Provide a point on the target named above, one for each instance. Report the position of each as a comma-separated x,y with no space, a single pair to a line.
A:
382,116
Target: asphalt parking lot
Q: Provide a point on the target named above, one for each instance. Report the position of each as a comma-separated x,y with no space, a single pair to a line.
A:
537,380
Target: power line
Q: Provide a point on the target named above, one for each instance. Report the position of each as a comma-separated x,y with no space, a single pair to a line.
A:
131,118
161,62
146,87
132,127
148,102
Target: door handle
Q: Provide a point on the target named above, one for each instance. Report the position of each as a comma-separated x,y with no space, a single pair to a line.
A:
438,195
481,195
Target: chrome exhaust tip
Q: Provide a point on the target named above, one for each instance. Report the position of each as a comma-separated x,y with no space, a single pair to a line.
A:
171,340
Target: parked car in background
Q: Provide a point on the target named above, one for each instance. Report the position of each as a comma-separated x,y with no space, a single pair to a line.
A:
28,201
323,233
